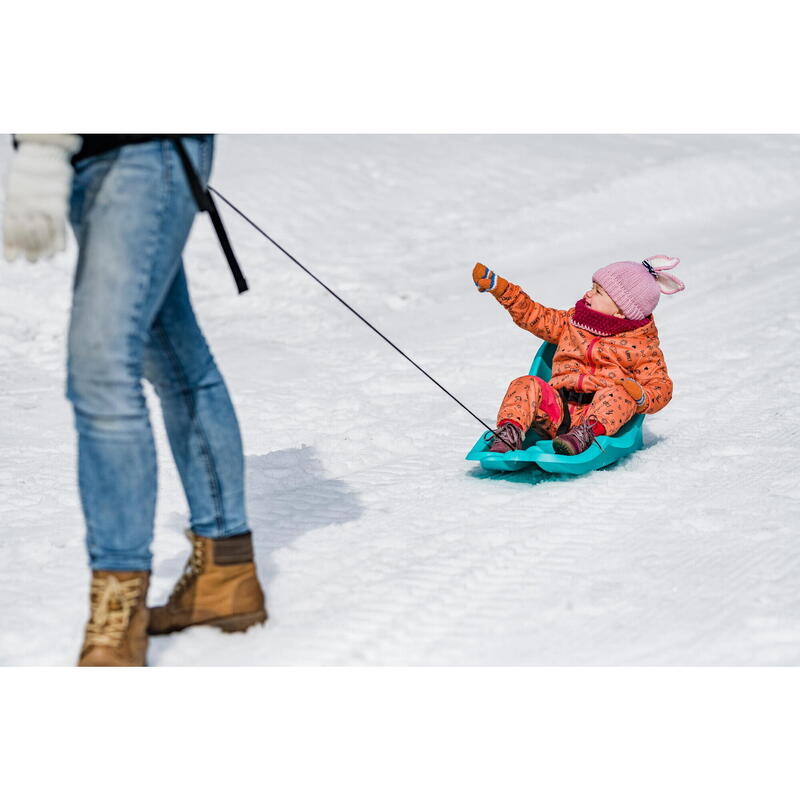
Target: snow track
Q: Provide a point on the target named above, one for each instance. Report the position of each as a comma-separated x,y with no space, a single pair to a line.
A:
377,542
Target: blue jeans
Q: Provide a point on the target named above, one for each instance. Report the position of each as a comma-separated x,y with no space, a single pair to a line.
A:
131,210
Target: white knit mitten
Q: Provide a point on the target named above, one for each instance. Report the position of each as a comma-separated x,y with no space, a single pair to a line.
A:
37,192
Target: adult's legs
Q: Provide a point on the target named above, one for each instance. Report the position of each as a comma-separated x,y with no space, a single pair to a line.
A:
131,211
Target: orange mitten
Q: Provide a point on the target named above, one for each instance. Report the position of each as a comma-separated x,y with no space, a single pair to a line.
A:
633,389
487,281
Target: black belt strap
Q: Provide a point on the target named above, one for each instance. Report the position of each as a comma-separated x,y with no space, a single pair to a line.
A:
205,202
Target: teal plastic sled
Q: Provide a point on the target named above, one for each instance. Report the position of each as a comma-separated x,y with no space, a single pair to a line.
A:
540,451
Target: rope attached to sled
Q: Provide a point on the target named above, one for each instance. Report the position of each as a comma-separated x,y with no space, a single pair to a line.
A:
350,308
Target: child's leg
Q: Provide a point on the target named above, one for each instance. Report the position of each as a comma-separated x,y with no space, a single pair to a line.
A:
531,400
613,407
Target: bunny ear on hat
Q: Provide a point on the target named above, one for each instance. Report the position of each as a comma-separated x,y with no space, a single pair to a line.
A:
669,284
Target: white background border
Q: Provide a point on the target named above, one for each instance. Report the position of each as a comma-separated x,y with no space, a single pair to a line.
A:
410,67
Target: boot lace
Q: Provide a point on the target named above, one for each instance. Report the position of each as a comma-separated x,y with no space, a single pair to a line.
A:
113,602
193,568
584,433
509,439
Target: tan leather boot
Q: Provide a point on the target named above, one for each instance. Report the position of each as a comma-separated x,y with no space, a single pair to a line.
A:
116,634
219,587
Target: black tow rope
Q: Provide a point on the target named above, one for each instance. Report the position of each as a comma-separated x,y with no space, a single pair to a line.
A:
348,306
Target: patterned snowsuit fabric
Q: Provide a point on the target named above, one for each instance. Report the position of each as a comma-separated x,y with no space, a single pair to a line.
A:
584,362
532,401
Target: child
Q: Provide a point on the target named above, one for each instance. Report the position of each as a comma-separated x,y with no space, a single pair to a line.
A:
607,366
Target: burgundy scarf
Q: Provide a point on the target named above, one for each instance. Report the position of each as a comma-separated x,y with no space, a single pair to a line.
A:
603,324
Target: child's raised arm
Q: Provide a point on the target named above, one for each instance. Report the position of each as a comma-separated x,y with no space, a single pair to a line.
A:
546,323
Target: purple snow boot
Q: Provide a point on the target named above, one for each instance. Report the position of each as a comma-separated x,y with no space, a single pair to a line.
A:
579,438
507,437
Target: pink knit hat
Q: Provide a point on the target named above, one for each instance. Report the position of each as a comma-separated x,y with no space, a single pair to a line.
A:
637,286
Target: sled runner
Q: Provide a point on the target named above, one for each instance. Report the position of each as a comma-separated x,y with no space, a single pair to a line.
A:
540,451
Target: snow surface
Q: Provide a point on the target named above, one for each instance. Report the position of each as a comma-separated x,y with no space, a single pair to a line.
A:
376,541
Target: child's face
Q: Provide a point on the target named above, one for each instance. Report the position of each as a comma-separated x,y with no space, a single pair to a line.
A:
598,300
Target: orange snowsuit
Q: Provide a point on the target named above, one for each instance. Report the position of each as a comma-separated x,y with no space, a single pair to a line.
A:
583,362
